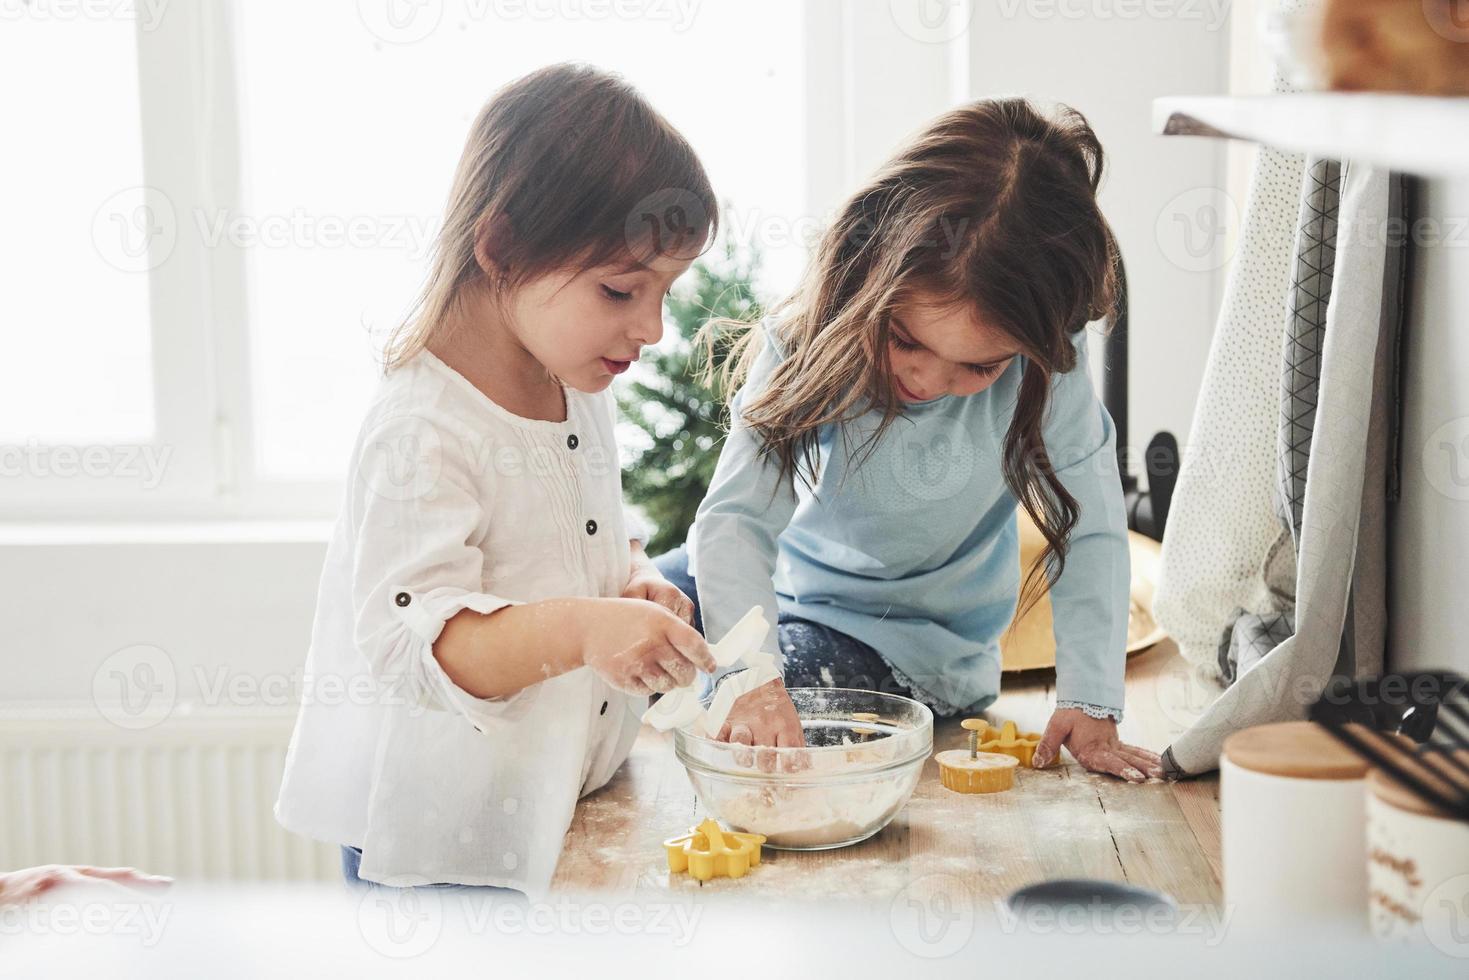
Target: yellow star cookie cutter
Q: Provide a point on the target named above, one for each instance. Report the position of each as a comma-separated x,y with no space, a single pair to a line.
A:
1005,740
709,851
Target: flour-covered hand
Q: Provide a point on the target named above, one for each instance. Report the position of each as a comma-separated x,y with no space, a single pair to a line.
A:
647,583
1094,743
640,647
764,716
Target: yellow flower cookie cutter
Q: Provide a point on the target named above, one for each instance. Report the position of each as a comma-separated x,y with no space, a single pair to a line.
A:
709,851
1005,740
965,772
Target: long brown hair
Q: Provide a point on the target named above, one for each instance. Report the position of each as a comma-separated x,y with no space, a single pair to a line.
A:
992,205
568,165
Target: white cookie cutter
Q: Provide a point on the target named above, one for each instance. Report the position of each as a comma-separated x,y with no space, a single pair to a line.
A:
681,707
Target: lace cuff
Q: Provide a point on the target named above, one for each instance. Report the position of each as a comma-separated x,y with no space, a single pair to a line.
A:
1092,710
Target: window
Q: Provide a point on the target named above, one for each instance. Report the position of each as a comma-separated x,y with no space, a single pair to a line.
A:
353,124
76,284
213,242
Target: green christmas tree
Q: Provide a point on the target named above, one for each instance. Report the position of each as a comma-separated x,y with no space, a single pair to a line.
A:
682,419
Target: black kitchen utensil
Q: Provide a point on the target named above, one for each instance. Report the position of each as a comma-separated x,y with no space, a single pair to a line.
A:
1102,905
1413,727
1147,510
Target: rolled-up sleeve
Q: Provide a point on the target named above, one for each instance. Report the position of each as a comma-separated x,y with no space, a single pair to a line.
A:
416,567
1090,600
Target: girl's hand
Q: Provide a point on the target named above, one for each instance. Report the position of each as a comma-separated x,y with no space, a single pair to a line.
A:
31,883
640,647
646,582
1095,744
764,716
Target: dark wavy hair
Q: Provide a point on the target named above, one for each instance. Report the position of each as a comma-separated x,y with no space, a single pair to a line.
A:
992,205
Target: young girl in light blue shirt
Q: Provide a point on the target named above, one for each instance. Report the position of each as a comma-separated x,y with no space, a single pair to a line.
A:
928,378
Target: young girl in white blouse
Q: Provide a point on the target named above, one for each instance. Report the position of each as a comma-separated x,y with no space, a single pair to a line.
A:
488,627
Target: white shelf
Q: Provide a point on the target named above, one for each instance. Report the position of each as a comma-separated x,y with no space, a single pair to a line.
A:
1416,134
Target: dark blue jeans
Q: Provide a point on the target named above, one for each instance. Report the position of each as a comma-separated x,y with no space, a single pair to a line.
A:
352,860
815,655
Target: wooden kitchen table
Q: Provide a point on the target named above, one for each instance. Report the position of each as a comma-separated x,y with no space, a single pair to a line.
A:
1058,823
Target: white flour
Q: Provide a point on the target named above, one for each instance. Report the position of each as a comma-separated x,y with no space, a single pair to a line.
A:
805,815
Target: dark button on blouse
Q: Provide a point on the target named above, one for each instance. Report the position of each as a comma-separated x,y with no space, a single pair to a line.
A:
572,441
402,598
591,527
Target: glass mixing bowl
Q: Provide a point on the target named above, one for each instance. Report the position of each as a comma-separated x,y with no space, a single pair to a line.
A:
852,778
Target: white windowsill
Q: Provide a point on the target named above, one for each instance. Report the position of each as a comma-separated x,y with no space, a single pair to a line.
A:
70,533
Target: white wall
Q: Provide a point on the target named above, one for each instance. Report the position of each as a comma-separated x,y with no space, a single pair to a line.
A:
906,61
223,598
1110,67
1429,527
218,610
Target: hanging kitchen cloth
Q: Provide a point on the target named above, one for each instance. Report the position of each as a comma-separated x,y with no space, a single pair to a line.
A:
1347,450
1249,635
1222,523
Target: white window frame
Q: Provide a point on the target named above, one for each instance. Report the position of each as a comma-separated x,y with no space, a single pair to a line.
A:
189,91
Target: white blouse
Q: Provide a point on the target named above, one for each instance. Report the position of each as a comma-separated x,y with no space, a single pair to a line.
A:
455,503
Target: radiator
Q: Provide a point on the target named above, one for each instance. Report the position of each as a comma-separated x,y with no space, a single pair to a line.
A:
189,797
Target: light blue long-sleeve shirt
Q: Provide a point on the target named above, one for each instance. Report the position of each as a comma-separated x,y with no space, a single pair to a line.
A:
914,549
